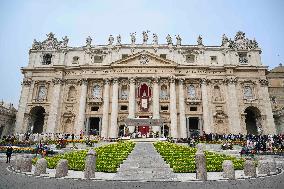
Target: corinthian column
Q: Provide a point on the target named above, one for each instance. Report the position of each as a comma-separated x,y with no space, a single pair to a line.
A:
105,109
205,107
132,103
26,84
233,108
53,117
182,122
269,127
173,108
80,126
156,99
114,110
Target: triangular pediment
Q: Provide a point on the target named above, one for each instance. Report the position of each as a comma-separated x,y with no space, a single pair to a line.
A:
144,59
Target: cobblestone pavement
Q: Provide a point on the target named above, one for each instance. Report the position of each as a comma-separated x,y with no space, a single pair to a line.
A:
18,181
145,163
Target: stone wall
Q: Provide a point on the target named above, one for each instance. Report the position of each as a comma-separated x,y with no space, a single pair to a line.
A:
7,119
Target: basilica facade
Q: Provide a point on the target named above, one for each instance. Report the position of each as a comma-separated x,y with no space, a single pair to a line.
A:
154,89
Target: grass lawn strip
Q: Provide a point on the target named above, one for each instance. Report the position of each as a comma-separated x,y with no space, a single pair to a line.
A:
182,158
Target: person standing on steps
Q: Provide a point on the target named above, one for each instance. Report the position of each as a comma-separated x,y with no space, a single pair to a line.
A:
9,153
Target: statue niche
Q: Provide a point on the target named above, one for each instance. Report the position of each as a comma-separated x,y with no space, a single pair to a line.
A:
164,92
220,121
71,94
217,96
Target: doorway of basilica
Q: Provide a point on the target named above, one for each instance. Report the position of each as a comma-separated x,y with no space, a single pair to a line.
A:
37,119
95,125
252,120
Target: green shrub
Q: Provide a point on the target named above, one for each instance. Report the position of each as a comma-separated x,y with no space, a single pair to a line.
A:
182,158
109,157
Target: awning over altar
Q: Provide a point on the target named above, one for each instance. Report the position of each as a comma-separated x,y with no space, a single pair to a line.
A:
144,122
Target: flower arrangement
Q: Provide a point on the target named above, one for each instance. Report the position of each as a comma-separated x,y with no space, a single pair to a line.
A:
3,149
182,158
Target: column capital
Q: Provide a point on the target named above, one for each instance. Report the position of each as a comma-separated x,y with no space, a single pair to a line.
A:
27,82
58,81
114,80
204,81
83,81
132,80
231,80
106,81
172,79
155,79
181,81
263,82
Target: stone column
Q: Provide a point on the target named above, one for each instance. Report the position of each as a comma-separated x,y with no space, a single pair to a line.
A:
19,126
114,110
79,124
182,121
205,107
132,103
233,107
269,128
53,117
105,121
173,108
156,103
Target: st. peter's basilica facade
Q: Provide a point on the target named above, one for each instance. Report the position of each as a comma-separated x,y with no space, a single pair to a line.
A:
151,88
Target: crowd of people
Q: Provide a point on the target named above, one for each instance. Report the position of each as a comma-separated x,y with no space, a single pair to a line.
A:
250,143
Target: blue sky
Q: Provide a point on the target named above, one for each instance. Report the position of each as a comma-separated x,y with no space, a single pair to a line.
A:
22,21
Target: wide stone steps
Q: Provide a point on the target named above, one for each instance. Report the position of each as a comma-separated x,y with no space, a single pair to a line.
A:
144,163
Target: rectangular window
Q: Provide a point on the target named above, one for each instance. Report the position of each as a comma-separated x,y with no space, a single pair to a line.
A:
124,56
163,56
213,59
193,109
190,58
98,59
123,107
46,59
243,59
164,108
94,108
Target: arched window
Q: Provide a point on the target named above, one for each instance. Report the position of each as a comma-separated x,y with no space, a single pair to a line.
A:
97,91
144,90
191,93
248,92
124,92
42,92
164,92
71,93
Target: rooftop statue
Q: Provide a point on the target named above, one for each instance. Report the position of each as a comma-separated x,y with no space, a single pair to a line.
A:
225,40
118,39
110,40
178,40
169,39
64,43
88,41
199,40
155,39
133,38
145,36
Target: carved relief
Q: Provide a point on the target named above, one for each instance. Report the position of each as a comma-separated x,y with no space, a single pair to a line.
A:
51,43
242,43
